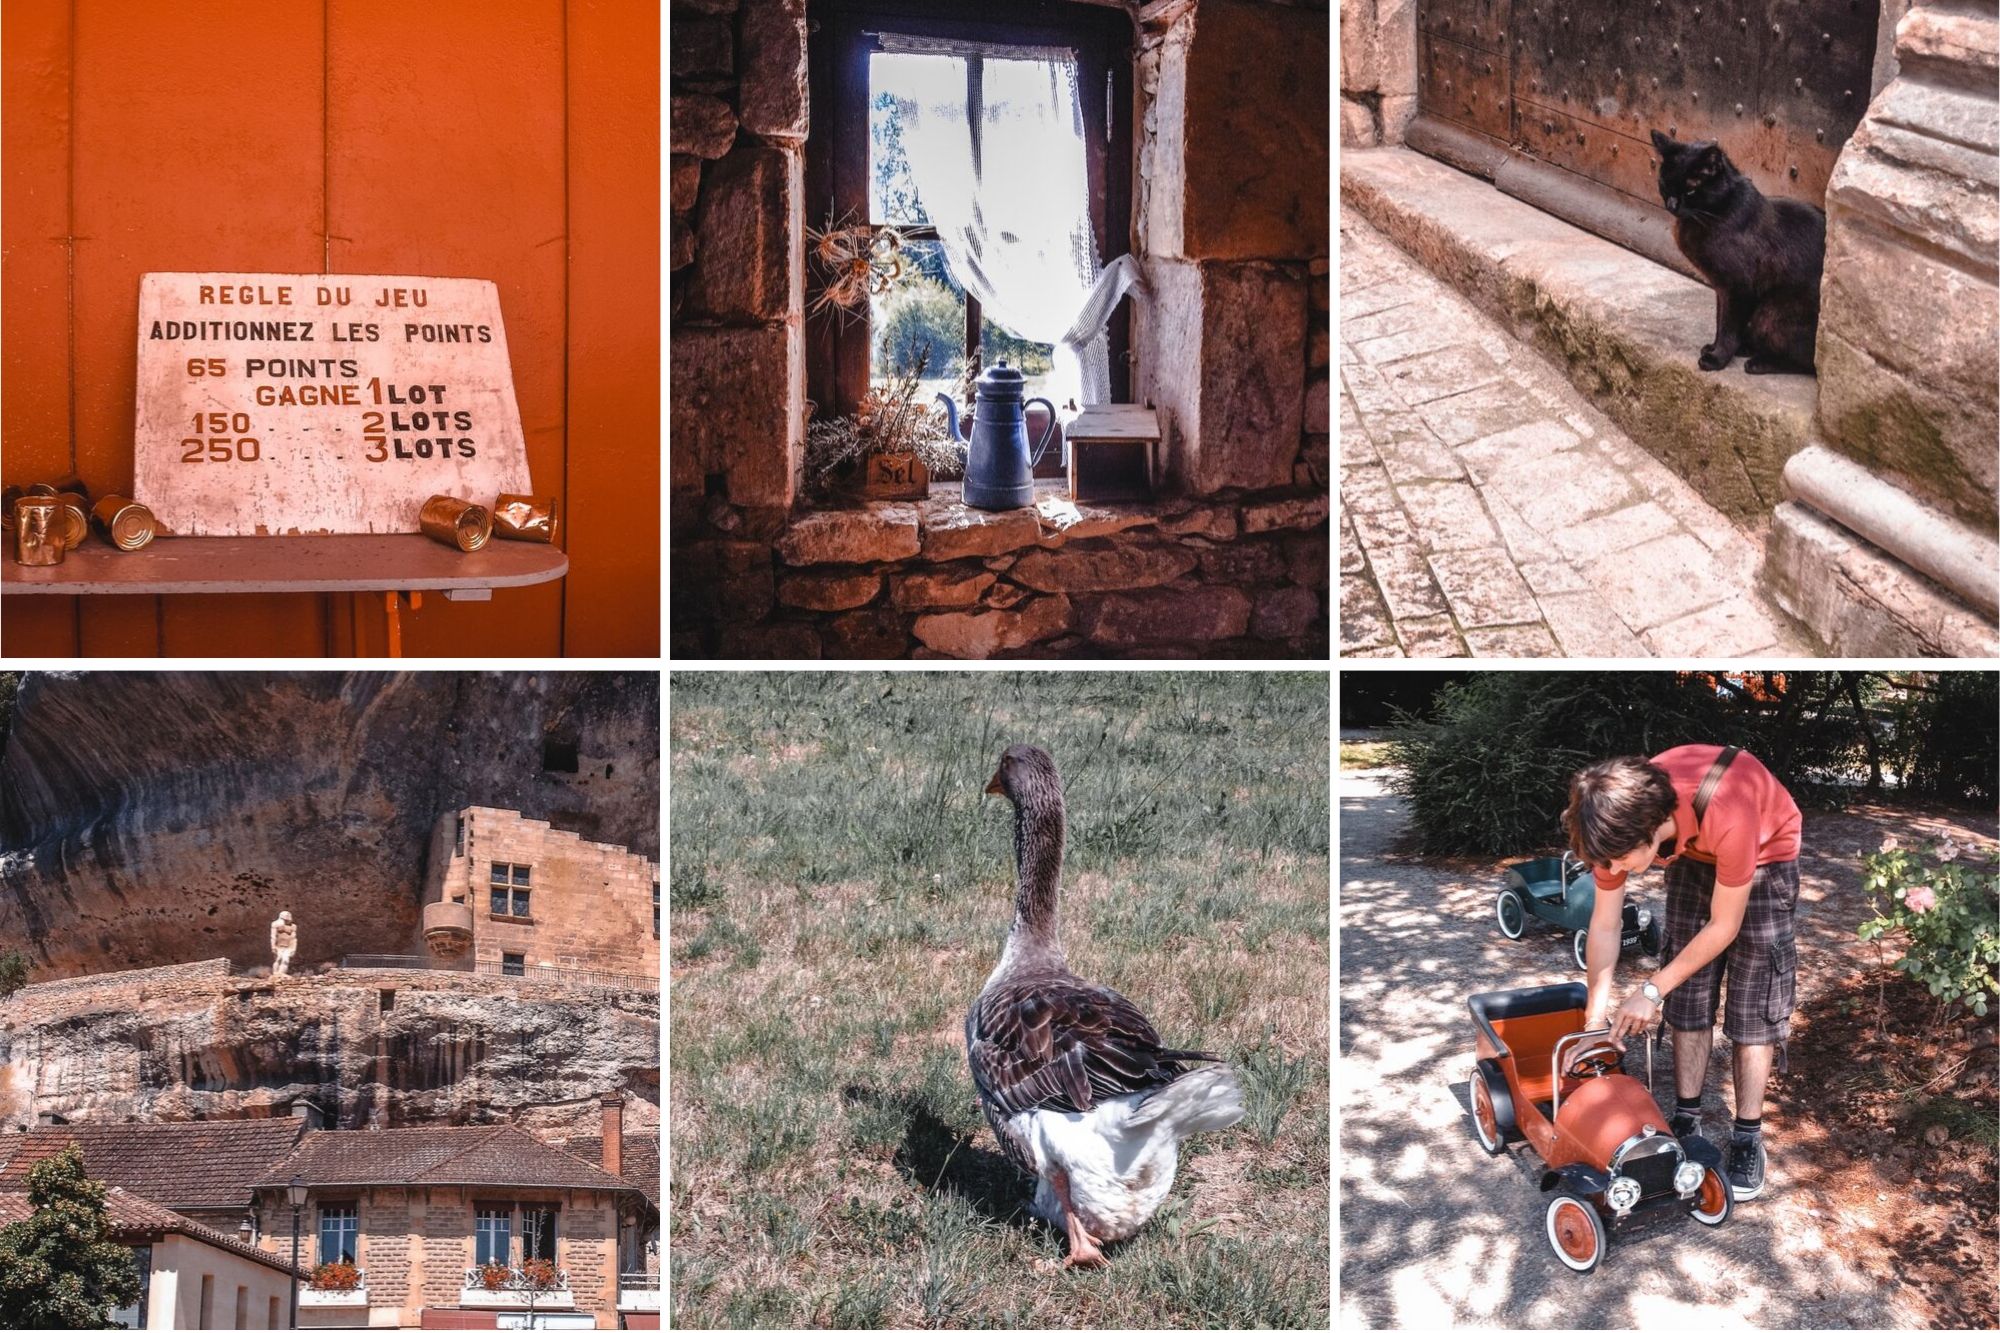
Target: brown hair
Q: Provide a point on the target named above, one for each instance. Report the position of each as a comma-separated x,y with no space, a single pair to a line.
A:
1616,806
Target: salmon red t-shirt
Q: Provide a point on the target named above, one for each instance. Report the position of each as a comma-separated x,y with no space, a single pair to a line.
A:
1751,821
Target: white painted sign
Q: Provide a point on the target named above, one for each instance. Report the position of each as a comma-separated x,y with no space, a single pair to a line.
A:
273,403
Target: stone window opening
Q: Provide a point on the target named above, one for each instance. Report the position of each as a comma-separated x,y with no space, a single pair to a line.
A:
339,1233
1206,158
559,754
496,1224
509,886
492,1229
513,965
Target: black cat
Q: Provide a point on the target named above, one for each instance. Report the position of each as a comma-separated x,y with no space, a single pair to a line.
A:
1762,256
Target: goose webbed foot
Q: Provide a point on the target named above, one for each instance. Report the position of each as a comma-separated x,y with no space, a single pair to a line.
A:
1083,1250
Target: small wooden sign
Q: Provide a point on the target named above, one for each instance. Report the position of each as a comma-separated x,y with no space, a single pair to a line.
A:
896,477
276,403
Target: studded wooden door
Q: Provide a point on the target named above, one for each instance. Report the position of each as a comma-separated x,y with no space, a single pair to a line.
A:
1780,84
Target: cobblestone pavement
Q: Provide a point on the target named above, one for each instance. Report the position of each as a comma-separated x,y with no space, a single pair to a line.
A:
1487,510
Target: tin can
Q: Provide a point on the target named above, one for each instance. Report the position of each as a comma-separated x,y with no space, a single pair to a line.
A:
456,522
75,518
40,488
525,518
38,531
73,483
126,524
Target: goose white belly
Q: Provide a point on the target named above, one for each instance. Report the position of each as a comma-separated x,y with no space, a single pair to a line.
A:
1118,1172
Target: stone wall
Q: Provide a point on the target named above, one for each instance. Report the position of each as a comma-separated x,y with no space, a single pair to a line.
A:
1378,71
591,904
739,120
1231,345
1887,545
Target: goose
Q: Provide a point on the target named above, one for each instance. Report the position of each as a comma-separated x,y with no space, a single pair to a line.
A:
1078,1087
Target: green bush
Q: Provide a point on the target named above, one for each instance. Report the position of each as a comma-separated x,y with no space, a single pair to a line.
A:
915,317
1489,773
1947,911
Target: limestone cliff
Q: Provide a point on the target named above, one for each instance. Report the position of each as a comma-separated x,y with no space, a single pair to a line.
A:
364,1046
150,818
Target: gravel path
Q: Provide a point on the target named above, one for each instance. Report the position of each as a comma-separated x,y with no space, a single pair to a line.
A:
1434,1232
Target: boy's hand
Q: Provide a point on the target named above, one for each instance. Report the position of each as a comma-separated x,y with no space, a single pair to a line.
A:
1633,1016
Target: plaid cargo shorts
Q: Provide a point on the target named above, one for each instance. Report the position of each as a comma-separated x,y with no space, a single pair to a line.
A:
1761,963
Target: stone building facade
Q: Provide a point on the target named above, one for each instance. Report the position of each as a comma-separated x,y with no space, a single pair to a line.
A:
1230,343
513,896
1882,538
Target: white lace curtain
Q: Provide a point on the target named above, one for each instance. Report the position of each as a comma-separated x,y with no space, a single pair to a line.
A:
995,145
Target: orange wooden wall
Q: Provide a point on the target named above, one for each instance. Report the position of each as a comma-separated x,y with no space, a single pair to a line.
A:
471,138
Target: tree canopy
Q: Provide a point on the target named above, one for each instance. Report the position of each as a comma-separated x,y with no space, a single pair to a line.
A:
57,1270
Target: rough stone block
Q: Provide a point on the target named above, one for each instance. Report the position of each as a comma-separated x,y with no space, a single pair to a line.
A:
1358,126
1243,563
772,97
769,641
828,592
750,230
1270,515
734,392
1215,522
1284,613
680,251
1101,570
980,634
851,536
685,173
1005,595
877,633
721,580
1861,602
953,531
1168,615
1253,111
701,125
938,589
702,48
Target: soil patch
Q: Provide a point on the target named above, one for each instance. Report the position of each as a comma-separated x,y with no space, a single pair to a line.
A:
1894,1126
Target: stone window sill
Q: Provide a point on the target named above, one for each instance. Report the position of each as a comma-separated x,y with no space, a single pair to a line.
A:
510,919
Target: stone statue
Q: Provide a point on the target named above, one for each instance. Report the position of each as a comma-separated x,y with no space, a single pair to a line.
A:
284,943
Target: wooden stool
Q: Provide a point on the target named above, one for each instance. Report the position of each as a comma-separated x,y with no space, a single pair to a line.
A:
1113,450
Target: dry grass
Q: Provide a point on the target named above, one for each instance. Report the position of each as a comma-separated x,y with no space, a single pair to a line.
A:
840,890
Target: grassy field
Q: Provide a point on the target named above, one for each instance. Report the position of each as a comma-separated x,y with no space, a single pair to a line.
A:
841,887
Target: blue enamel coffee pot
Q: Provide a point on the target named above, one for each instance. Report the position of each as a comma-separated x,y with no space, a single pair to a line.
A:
999,470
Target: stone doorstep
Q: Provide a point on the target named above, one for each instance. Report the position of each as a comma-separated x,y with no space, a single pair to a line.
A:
1624,329
1861,601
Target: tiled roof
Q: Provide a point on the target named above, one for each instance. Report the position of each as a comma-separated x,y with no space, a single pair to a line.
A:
639,1163
135,1219
441,1155
183,1164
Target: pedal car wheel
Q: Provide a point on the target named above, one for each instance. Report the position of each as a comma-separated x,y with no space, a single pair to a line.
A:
1581,941
1712,1206
1652,939
1576,1232
1513,914
1485,1122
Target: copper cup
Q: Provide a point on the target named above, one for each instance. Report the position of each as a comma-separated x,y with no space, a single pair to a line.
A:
126,524
525,518
456,522
38,531
75,518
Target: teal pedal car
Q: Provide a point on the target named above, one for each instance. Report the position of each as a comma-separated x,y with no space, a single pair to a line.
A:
1561,891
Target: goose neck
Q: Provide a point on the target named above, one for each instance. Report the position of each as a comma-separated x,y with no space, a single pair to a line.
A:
1038,853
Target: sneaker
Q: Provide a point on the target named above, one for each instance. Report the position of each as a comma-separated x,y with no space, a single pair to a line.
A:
1746,1166
1684,1123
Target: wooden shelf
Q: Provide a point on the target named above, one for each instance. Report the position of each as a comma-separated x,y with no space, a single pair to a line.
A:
403,562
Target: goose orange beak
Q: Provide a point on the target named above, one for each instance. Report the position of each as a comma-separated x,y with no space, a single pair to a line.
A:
994,788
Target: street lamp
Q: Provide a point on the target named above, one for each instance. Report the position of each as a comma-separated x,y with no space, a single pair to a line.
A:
296,1192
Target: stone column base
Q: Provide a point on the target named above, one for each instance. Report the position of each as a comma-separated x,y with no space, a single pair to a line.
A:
1862,602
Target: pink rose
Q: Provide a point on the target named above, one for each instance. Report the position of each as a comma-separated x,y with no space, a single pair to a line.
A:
1891,843
1948,850
1920,898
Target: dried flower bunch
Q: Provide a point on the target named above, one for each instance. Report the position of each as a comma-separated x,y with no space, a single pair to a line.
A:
890,420
856,261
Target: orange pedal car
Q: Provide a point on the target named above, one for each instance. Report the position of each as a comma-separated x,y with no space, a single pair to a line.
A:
1540,1077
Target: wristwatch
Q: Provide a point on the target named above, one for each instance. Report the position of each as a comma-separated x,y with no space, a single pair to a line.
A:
1651,992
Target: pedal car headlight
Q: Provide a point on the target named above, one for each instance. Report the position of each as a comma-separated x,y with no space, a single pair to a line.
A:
1623,1194
1645,917
1687,1177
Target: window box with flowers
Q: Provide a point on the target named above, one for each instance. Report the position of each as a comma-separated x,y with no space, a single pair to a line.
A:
335,1286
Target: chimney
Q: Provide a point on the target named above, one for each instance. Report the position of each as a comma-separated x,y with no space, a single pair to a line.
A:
614,1133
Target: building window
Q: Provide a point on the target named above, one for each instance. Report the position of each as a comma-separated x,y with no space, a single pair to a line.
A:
1044,96
207,1300
272,1322
134,1315
492,1229
513,965
459,841
339,1233
242,1308
538,1232
509,885
559,754
656,909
